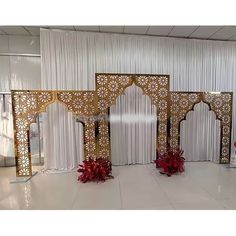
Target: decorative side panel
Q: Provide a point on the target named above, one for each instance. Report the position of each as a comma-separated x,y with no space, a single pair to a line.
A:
26,106
220,103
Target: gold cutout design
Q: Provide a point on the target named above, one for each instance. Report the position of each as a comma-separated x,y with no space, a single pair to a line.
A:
28,104
91,109
220,103
110,86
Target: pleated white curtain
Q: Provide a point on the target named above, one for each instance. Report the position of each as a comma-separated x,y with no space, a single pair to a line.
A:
133,128
200,135
71,59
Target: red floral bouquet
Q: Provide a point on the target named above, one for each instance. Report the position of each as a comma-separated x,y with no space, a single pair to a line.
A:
171,162
95,170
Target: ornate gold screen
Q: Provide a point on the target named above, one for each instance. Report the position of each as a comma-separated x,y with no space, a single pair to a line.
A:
28,104
110,86
91,108
220,103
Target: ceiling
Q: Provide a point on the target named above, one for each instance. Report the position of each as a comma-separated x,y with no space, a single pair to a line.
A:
225,33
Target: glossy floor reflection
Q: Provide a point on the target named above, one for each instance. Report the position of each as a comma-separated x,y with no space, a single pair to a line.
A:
203,185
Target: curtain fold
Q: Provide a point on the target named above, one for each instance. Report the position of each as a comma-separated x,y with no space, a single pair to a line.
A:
133,128
200,135
71,59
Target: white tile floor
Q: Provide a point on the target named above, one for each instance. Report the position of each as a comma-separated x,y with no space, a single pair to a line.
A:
202,186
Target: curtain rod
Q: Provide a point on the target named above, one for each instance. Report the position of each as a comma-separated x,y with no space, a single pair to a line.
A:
20,54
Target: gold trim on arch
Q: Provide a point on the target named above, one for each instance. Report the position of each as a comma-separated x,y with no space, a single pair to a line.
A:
28,104
219,102
110,86
91,109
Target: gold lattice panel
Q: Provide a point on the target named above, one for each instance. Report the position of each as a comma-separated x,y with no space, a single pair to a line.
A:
91,108
82,103
28,104
220,103
110,86
157,88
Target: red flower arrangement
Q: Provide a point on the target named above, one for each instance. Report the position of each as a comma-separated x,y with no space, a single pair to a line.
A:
171,162
95,170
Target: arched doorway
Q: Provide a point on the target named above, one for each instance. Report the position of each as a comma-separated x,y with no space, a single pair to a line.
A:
110,86
27,105
133,128
200,134
63,138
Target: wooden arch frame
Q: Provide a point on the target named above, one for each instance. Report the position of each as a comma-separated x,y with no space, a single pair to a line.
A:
220,103
28,104
110,86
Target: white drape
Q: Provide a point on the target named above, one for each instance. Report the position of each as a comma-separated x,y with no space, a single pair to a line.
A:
200,135
133,128
61,152
70,60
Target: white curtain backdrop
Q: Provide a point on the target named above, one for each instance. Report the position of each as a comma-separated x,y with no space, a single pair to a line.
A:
71,59
133,128
62,140
200,135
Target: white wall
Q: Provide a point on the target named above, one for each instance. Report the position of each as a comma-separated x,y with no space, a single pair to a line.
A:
18,72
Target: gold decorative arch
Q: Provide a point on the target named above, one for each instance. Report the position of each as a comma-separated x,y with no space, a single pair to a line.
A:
91,108
110,86
27,104
219,103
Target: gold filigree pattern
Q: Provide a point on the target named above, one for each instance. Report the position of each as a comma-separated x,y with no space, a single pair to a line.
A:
110,86
28,104
220,103
91,108
157,88
81,103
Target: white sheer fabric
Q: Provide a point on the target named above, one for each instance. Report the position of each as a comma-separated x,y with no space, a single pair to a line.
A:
133,128
196,144
71,59
61,152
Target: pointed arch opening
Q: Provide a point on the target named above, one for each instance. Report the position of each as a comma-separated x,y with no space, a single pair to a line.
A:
200,134
63,140
133,128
